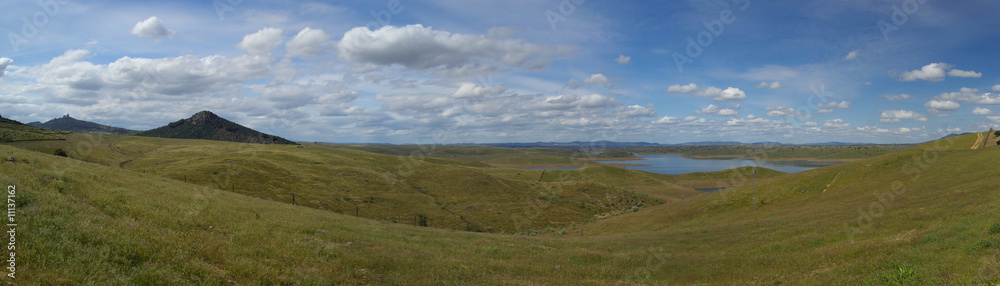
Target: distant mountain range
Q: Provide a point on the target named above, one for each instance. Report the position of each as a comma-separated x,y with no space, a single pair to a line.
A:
208,126
67,123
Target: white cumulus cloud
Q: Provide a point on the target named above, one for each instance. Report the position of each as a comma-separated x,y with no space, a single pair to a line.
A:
622,59
893,116
718,110
307,43
936,72
596,79
833,104
418,47
981,111
852,55
961,73
4,62
873,129
728,94
666,120
262,42
472,90
785,112
901,96
771,86
637,111
67,77
752,120
942,105
837,124
682,88
970,95
152,28
593,79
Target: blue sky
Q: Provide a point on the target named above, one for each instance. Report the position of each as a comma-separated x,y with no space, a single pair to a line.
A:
449,71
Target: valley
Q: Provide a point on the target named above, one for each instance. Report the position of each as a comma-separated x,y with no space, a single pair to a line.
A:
913,216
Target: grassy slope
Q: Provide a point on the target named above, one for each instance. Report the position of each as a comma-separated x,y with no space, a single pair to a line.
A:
76,218
920,216
932,229
452,194
495,156
724,179
11,130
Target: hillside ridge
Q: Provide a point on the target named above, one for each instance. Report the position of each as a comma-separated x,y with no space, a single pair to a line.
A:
208,126
67,123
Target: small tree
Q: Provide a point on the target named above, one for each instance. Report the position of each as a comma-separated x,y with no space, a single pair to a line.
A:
60,152
996,133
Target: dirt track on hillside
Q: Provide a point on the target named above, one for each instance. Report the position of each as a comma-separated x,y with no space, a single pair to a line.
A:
979,141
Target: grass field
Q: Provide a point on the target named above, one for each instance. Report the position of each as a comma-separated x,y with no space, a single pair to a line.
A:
924,215
454,194
495,156
12,131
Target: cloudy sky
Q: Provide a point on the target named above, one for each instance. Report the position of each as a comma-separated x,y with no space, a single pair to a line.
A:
447,71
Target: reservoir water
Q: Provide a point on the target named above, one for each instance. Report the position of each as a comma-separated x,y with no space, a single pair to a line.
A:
675,164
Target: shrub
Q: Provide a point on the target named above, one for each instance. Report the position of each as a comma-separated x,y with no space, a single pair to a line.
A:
473,227
985,244
995,229
60,152
996,133
895,274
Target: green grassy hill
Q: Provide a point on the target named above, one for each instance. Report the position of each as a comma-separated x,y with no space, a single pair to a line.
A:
925,215
451,194
67,123
495,156
12,131
208,126
920,216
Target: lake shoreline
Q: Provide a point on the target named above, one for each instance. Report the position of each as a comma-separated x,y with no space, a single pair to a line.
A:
611,159
565,165
613,162
674,164
727,157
